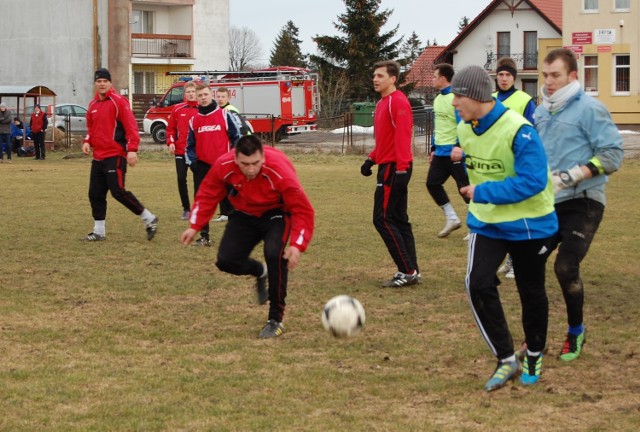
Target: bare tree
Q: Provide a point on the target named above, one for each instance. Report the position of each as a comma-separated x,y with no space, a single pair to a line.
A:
244,48
333,89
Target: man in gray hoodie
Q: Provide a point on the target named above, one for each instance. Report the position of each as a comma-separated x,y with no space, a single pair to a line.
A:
5,132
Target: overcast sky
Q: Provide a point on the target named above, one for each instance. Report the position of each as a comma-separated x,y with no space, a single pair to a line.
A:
428,18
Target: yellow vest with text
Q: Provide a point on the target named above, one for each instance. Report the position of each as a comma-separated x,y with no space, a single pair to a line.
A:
445,123
490,158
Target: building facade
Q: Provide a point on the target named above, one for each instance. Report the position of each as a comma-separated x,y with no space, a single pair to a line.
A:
605,35
60,44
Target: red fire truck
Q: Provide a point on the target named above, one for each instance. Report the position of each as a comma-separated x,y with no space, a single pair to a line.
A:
276,101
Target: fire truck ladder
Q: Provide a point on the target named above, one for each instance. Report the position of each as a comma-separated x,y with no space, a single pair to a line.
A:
270,75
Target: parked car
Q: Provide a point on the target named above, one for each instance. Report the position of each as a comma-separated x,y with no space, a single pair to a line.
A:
76,116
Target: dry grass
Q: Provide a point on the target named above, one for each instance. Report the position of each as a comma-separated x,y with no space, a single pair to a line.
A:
135,335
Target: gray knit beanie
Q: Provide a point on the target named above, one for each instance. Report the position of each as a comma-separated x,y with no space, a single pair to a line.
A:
473,82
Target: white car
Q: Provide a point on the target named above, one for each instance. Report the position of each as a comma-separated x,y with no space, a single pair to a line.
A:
68,115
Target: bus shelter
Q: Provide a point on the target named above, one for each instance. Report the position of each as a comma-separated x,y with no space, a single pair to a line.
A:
20,100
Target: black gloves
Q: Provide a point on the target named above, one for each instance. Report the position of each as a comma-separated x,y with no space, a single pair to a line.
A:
365,169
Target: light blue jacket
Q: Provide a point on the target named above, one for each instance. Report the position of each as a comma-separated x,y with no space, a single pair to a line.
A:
580,132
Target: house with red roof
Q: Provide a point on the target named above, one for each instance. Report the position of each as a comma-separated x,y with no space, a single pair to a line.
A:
507,28
421,73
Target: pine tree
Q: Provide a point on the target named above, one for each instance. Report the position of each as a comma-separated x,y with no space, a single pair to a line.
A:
411,49
361,46
464,21
286,50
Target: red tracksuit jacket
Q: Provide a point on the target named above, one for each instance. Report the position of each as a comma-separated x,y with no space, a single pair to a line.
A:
178,125
393,127
276,187
111,126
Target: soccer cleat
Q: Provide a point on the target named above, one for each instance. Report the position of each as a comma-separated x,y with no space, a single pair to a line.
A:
531,368
94,237
272,329
202,241
221,218
467,237
510,274
507,266
573,346
505,372
262,293
449,227
401,279
152,228
186,215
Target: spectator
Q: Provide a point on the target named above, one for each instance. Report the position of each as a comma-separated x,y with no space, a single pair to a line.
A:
38,126
5,133
19,135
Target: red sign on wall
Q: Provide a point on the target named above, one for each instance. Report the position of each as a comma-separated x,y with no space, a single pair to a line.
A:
575,49
581,38
604,48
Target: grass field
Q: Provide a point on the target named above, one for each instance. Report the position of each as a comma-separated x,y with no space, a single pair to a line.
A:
127,334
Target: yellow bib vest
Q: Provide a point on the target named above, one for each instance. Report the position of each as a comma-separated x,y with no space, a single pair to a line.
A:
517,101
489,157
445,123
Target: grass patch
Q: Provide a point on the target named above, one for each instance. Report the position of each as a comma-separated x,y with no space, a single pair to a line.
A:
128,334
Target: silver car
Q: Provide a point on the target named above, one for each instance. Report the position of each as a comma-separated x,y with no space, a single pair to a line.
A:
70,116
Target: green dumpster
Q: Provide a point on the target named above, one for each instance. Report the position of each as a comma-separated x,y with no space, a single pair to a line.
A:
363,113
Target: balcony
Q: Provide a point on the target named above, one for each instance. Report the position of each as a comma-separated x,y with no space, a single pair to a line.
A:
160,45
527,62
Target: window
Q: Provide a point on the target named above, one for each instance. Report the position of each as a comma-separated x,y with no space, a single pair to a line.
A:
142,21
530,50
144,82
622,73
590,72
504,44
531,88
590,6
622,5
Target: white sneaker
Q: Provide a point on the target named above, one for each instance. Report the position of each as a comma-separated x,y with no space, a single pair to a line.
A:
510,274
467,237
449,227
507,266
221,218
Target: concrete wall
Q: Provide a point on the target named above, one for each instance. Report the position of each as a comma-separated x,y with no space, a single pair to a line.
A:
48,43
211,27
51,43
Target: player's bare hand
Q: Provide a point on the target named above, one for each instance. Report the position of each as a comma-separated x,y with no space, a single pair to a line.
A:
292,255
456,154
86,148
172,149
468,191
132,159
187,237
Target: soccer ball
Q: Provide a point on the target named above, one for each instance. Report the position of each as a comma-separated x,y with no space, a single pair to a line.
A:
343,316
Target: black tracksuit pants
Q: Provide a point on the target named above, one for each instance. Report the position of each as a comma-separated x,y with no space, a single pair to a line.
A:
440,169
182,170
109,175
529,259
391,219
241,235
578,221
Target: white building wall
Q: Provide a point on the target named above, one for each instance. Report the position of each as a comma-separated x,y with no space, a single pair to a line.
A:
48,43
211,30
473,50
